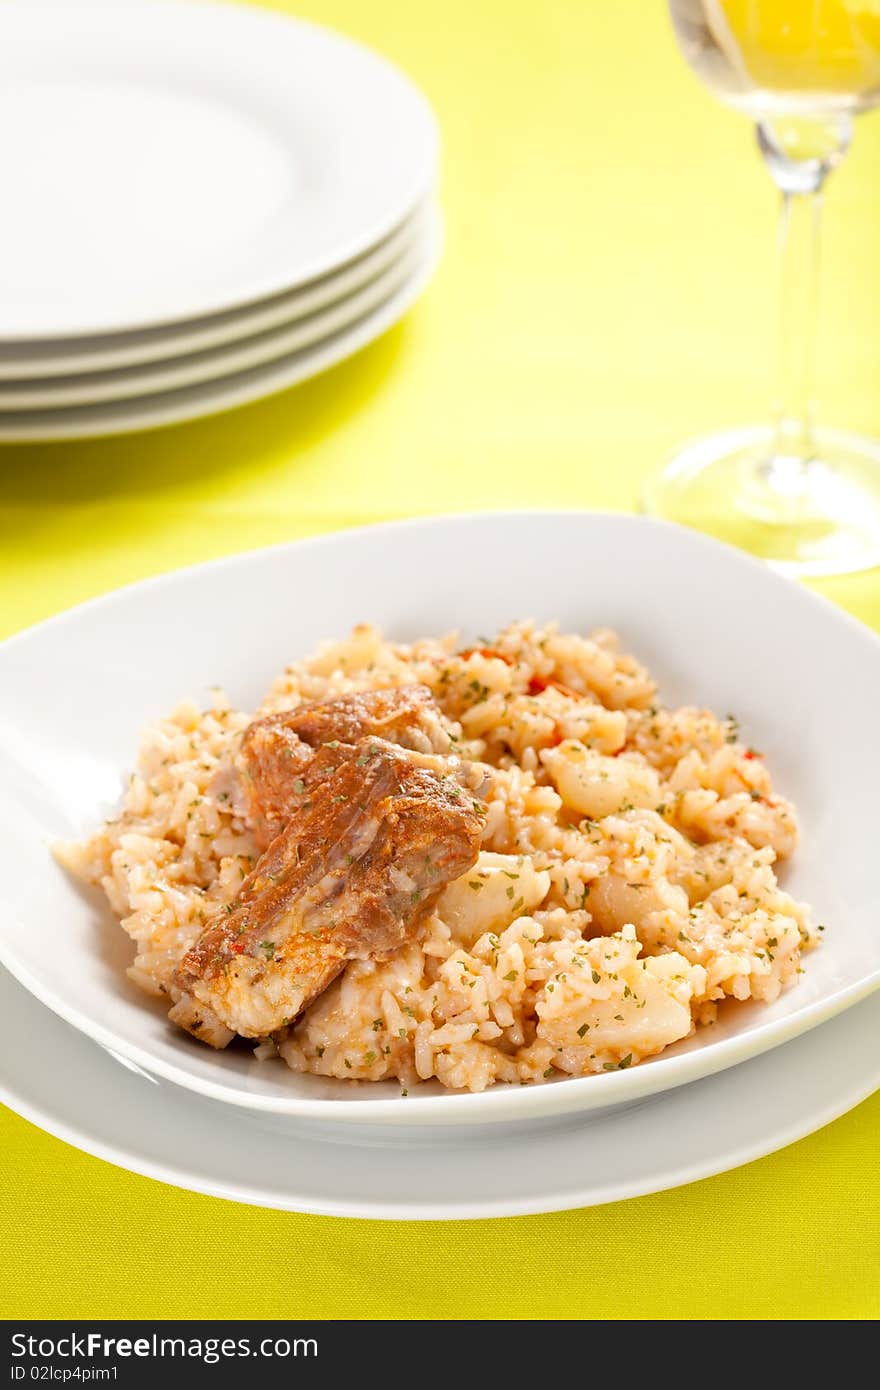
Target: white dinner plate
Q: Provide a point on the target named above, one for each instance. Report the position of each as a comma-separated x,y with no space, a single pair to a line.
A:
26,362
715,626
172,374
167,160
223,393
73,1089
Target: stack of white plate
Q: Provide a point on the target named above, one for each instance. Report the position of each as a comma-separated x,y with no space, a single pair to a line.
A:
203,204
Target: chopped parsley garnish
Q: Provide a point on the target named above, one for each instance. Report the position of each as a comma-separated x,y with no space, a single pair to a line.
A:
618,1066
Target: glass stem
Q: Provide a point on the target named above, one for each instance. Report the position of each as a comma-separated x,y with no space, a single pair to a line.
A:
800,153
799,222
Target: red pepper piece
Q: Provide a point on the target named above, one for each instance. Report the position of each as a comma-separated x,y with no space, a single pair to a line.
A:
488,652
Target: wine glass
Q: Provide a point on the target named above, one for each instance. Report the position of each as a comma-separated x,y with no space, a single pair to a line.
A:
806,499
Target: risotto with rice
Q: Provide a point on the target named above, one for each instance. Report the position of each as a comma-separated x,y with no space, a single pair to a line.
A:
625,882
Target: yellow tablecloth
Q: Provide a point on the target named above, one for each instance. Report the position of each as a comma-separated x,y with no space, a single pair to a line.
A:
606,291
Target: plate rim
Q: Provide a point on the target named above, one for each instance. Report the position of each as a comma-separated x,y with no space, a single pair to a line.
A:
783,582
213,330
510,1103
250,350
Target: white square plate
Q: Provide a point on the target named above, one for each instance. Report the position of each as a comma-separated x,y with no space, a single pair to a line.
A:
715,627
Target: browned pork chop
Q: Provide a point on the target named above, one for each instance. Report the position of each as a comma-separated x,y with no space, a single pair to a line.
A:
275,750
373,833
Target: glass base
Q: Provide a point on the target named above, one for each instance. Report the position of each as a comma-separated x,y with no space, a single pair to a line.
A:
816,517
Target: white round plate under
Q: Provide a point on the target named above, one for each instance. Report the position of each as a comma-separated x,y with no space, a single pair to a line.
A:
124,1116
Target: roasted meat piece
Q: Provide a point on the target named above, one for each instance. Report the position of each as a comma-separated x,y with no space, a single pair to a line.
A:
373,833
276,749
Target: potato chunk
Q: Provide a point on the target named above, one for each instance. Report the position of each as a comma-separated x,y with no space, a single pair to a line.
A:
597,786
495,892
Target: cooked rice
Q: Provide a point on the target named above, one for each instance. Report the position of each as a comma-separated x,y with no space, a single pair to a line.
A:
626,882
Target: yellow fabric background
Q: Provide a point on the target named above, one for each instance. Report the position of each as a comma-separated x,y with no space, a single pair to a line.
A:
606,291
